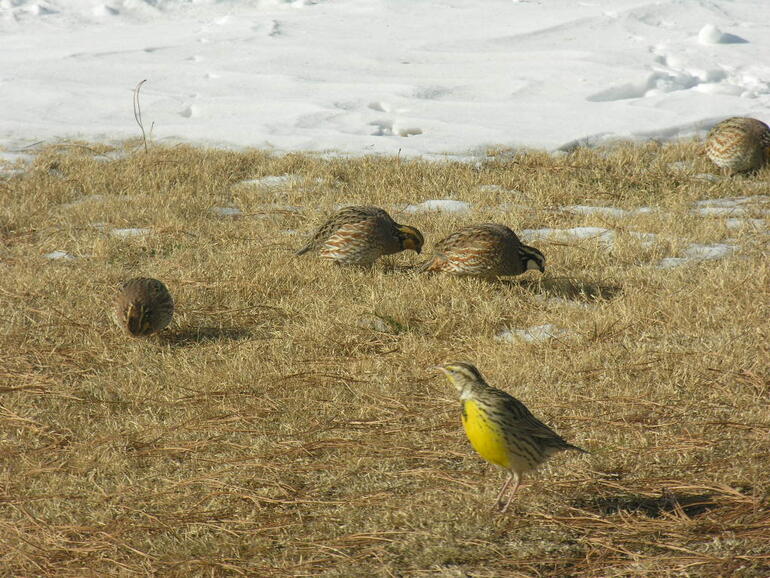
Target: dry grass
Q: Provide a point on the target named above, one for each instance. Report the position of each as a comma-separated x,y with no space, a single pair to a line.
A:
272,431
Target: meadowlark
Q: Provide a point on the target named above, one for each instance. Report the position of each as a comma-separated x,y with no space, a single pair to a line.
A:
500,428
361,235
143,306
739,144
487,250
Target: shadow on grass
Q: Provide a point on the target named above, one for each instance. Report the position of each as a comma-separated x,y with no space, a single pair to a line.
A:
567,288
195,335
692,505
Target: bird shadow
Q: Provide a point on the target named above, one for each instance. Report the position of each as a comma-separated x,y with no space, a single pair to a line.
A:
668,503
568,288
195,335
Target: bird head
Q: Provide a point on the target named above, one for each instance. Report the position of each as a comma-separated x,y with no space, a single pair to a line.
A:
137,319
532,259
410,238
463,376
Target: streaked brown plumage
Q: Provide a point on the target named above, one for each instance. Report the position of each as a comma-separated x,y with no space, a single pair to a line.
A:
143,306
486,250
501,428
739,144
361,235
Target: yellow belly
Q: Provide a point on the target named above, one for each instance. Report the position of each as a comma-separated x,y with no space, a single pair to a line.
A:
485,436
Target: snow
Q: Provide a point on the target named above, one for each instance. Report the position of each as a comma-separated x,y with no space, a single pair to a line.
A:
756,224
59,255
606,211
430,78
272,181
696,252
227,211
710,34
731,206
439,205
129,232
568,235
536,334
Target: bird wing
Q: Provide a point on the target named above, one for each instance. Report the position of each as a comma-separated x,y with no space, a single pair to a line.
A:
524,421
344,217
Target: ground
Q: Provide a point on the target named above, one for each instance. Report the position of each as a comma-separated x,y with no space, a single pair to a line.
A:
287,423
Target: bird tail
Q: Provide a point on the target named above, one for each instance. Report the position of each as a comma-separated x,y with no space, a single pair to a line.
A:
577,449
304,249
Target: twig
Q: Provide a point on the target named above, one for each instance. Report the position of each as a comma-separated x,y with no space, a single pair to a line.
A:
138,113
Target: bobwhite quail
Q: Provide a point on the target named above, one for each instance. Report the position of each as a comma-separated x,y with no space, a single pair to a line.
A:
143,306
487,250
361,235
738,144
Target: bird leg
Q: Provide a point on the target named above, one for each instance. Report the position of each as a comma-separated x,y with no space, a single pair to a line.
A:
502,490
513,491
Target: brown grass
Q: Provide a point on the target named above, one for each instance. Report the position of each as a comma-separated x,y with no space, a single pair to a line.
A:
273,431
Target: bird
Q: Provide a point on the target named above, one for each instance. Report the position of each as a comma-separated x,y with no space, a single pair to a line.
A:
359,235
143,306
500,428
485,250
738,144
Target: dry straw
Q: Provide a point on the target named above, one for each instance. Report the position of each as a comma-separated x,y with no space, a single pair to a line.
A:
286,423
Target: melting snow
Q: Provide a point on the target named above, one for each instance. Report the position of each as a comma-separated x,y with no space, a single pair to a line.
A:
439,205
606,211
84,200
535,334
272,181
226,211
708,177
130,232
567,235
758,224
59,255
730,206
696,252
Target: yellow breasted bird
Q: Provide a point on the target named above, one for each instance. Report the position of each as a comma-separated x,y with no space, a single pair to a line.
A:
500,428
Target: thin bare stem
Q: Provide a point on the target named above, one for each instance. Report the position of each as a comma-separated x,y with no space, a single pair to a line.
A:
138,112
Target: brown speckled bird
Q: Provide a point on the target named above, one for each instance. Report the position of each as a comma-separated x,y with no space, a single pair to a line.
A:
143,306
361,235
739,144
487,250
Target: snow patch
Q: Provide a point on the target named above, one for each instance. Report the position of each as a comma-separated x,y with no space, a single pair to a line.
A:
756,224
439,205
606,211
536,334
272,181
129,232
84,200
227,211
59,255
730,206
568,235
697,252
